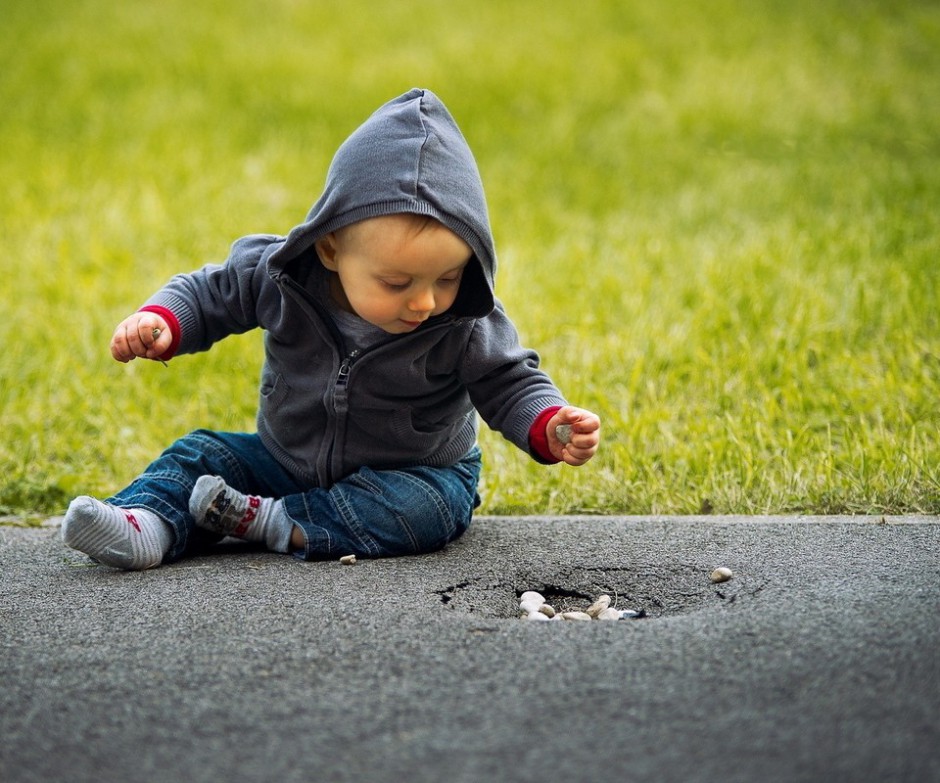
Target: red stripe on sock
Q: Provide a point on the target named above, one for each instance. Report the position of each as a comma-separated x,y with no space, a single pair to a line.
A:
133,521
254,503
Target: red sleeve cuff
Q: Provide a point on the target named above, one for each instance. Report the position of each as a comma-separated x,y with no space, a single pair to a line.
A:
538,439
174,324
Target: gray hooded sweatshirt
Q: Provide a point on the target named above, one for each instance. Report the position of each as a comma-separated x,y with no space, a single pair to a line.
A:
326,410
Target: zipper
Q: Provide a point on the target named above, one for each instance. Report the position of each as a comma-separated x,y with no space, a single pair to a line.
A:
342,377
340,404
342,382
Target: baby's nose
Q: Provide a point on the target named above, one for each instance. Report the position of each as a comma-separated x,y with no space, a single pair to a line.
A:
422,301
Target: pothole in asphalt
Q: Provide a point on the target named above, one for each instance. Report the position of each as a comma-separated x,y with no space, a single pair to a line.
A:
675,590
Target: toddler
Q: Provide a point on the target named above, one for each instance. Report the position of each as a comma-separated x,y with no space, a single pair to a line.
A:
383,340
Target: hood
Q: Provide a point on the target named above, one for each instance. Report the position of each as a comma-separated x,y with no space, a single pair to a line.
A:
409,156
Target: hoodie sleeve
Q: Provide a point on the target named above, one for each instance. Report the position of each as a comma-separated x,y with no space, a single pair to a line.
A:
504,381
220,299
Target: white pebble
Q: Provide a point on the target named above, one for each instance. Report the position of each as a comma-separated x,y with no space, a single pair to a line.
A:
608,614
531,595
548,610
563,433
537,616
599,605
721,574
348,560
530,601
576,616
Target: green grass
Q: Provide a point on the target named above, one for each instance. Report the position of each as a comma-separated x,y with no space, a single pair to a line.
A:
718,223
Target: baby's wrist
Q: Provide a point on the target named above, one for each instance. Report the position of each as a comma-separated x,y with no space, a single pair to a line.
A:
538,436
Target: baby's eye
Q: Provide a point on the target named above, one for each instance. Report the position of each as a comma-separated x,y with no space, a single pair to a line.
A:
393,286
449,280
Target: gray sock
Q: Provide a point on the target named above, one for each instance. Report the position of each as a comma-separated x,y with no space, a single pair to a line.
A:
223,510
133,539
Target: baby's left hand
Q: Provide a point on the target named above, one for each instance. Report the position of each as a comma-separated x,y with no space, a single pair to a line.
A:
585,435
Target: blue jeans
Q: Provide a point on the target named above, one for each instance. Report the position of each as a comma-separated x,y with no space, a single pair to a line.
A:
373,513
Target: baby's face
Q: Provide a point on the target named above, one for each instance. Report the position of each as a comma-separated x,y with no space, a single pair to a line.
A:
395,271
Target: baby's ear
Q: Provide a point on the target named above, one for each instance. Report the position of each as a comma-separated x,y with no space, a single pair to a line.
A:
326,249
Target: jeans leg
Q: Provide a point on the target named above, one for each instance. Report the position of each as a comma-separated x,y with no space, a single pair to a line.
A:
165,486
381,513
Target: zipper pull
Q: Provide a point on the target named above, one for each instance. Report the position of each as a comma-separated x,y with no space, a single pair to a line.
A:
343,375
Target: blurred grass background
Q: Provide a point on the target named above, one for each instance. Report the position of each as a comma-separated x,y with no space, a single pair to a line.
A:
718,224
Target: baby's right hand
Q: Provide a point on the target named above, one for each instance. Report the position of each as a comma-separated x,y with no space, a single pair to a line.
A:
138,335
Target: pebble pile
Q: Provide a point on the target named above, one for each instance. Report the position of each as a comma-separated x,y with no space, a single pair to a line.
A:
534,607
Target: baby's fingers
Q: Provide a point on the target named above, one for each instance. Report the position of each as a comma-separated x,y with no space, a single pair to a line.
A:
121,347
142,334
578,433
580,451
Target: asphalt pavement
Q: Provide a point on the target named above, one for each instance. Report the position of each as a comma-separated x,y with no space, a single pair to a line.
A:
818,661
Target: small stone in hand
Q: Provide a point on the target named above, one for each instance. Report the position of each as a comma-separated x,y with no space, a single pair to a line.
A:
155,333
